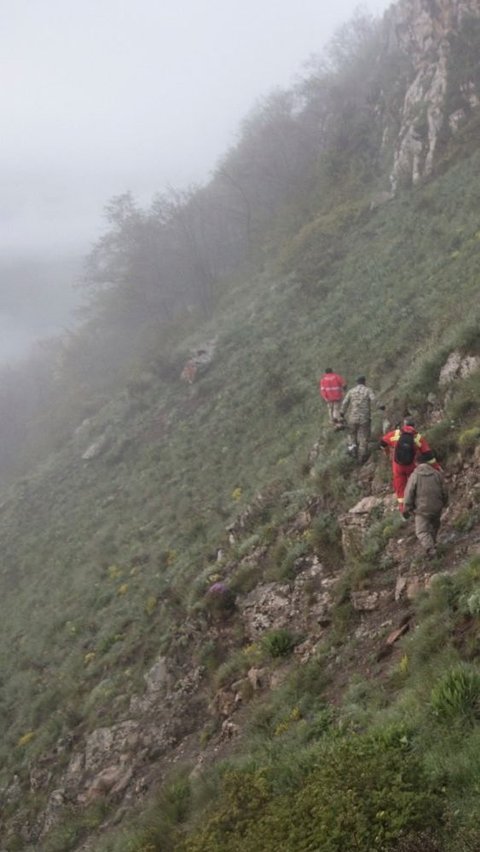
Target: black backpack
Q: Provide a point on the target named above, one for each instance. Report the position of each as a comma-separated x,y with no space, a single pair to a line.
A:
405,449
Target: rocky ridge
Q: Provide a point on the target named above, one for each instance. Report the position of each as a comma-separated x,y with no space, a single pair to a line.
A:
424,30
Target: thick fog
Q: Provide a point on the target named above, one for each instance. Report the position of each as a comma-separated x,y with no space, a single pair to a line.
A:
104,96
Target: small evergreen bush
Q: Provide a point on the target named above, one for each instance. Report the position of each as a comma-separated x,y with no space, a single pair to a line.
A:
278,643
469,438
456,696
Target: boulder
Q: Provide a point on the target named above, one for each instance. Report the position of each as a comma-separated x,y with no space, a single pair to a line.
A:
356,522
157,678
111,781
367,601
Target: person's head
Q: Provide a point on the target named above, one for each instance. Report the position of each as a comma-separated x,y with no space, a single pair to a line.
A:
408,421
329,370
424,458
361,380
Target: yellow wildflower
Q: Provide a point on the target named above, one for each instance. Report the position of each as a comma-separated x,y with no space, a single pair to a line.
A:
114,572
123,589
150,605
26,739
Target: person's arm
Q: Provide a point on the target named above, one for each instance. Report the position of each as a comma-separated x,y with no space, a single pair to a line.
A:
410,494
444,492
424,448
345,404
373,400
386,443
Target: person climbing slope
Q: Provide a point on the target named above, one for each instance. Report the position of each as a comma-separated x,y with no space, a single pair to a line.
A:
403,445
356,408
426,494
332,386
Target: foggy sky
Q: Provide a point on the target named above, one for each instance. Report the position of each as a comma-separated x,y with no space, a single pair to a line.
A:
101,96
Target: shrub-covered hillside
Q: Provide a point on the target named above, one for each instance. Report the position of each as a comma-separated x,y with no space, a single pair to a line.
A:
137,709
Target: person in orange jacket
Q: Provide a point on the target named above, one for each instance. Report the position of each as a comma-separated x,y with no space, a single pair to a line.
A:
404,445
332,387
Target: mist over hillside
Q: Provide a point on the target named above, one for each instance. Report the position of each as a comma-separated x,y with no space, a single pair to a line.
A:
38,298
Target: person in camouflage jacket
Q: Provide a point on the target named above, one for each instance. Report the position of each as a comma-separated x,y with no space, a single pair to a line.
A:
357,410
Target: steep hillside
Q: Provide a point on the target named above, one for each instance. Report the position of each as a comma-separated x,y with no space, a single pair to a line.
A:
141,708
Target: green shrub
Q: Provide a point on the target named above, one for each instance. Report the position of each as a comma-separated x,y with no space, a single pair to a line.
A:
278,643
233,668
326,537
472,603
466,521
363,793
456,696
468,439
443,438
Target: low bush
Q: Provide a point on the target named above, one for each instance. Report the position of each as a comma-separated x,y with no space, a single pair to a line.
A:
365,793
278,643
456,696
468,439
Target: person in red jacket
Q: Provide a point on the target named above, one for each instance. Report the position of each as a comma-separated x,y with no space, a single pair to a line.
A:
332,387
404,445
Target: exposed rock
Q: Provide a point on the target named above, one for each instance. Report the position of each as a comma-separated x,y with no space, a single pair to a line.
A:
82,431
257,677
431,579
367,505
423,31
224,703
13,791
161,694
458,366
414,587
366,601
265,607
157,677
400,588
396,634
229,729
96,448
110,781
105,742
306,603
306,650
74,772
377,201
302,521
356,523
199,359
53,810
39,778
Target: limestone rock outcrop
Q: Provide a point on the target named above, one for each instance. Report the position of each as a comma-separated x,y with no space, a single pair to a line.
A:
424,31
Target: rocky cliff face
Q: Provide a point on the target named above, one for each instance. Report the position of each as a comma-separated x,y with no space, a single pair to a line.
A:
430,33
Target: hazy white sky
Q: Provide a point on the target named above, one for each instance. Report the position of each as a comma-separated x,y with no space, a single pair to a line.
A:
101,96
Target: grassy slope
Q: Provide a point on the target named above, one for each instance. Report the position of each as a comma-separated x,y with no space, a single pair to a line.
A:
152,509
